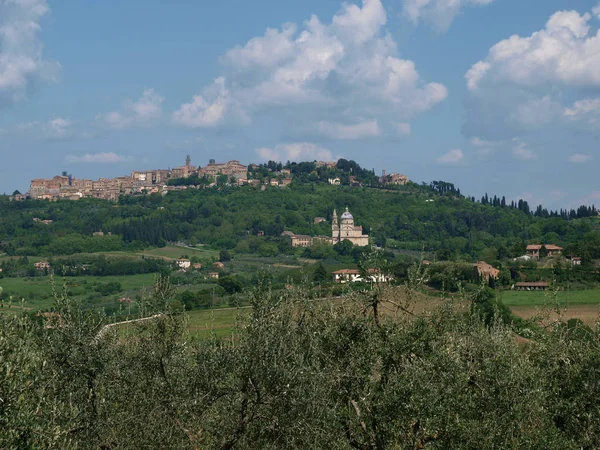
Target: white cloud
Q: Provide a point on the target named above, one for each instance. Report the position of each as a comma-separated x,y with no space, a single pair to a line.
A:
438,13
483,148
359,130
523,152
580,158
331,72
299,151
403,129
521,83
561,54
97,158
455,156
21,61
596,11
586,110
143,112
213,108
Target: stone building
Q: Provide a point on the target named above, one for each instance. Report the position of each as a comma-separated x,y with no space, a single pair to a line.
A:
230,168
346,230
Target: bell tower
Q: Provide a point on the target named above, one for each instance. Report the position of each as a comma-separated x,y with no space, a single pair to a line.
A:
335,227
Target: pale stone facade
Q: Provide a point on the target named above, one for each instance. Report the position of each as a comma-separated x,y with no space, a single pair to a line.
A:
346,230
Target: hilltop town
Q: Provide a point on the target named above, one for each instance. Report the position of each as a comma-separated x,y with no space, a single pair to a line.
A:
162,181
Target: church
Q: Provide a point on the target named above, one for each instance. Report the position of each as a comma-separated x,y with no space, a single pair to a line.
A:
346,230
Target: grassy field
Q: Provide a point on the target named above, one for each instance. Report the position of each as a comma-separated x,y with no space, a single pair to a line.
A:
588,314
169,252
37,292
202,323
539,298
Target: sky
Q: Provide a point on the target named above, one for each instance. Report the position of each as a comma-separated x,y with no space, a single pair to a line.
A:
497,96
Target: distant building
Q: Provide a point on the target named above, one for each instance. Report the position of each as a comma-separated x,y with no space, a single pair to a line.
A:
42,265
486,271
393,178
231,168
531,286
354,276
334,181
183,264
213,275
346,230
534,250
299,240
218,266
318,220
575,260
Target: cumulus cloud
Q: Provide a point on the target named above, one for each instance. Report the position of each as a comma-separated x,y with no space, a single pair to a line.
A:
97,158
455,156
438,13
359,130
299,151
21,58
520,85
213,108
143,112
331,72
580,158
562,53
523,152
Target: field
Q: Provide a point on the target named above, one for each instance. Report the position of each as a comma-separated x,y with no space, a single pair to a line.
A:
583,305
37,292
170,252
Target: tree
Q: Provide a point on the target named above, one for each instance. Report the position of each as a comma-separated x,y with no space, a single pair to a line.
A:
320,274
230,284
224,256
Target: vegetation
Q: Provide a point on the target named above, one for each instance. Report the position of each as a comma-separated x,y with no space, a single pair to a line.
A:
298,374
435,217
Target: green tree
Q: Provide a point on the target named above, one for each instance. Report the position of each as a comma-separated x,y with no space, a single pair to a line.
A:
320,274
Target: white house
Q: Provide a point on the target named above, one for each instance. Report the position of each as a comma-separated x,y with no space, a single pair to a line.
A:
183,264
354,276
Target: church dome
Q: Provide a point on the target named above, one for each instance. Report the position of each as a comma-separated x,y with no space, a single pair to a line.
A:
347,215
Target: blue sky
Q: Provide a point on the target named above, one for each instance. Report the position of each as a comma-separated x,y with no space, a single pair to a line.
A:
497,96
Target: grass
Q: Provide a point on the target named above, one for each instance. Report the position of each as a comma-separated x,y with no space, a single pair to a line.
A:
539,298
38,291
218,321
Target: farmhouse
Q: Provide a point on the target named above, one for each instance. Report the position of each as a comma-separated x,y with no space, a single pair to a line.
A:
486,271
183,264
354,276
42,265
531,286
534,250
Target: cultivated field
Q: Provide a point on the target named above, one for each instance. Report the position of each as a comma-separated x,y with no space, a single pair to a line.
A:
583,305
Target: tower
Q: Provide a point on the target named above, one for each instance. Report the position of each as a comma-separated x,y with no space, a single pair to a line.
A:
188,160
335,227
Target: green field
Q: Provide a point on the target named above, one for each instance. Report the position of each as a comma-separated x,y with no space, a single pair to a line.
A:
37,292
202,323
169,252
539,298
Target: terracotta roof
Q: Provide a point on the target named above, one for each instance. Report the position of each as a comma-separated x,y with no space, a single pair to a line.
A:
539,246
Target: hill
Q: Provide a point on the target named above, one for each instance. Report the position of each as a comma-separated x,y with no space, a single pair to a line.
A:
435,217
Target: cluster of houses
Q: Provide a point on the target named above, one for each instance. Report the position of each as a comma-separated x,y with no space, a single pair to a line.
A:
149,181
185,265
66,186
